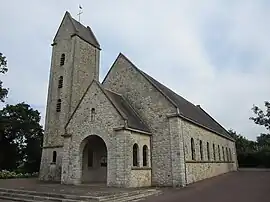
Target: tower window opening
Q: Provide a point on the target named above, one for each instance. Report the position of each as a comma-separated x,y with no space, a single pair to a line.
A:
62,59
60,82
58,105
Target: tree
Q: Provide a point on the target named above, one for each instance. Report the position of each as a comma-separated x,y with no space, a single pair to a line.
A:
262,118
243,145
3,70
22,138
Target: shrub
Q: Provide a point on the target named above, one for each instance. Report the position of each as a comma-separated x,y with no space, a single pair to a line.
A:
5,174
254,159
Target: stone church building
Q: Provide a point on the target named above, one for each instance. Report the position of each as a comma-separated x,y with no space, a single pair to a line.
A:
127,131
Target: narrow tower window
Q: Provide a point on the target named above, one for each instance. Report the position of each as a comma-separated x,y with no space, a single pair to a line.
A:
192,149
201,150
58,105
60,82
145,155
208,152
62,59
54,157
93,114
214,152
135,155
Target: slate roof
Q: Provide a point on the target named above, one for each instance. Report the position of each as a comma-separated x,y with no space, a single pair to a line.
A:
81,31
187,110
125,109
85,33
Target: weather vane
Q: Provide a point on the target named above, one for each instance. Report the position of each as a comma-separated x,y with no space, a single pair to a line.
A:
80,12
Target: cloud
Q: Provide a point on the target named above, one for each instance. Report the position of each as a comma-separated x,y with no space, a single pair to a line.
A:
214,53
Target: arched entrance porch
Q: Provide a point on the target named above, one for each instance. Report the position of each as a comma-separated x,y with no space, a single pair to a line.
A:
94,160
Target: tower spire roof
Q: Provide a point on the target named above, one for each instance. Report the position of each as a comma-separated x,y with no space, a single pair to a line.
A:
81,31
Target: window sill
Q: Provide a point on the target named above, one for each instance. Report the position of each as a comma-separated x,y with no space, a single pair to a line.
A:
141,168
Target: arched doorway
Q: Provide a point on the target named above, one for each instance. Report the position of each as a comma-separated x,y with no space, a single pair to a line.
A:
94,160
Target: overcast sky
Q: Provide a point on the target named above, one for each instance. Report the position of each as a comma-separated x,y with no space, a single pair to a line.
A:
213,53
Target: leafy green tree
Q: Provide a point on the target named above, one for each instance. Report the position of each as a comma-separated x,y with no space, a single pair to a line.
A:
3,70
243,145
262,118
22,138
264,141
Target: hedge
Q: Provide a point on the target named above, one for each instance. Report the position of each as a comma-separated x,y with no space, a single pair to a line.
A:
5,174
260,159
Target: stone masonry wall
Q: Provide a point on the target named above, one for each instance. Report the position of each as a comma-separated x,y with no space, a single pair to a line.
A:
121,168
141,175
199,169
51,171
81,126
54,121
153,107
177,152
142,139
80,67
86,68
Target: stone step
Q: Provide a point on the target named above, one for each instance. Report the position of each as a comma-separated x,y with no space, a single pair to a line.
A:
16,199
48,194
132,196
25,195
139,197
31,198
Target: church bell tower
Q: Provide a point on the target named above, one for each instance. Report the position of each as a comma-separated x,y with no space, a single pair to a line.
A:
74,64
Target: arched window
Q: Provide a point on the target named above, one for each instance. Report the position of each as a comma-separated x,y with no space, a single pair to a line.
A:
227,157
214,152
219,156
62,59
192,149
201,150
135,155
230,154
145,155
60,82
54,157
208,151
223,153
58,105
93,113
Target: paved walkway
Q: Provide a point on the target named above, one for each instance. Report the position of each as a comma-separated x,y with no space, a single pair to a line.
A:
242,186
